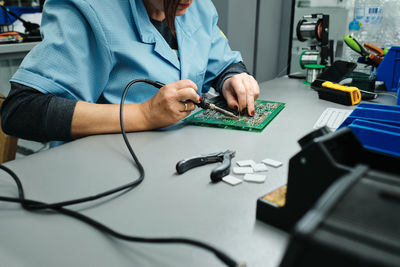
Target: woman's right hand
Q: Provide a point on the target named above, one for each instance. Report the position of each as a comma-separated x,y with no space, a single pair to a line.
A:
164,109
170,104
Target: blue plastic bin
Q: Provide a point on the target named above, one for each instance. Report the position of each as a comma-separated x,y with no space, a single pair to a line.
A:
376,126
374,112
6,18
398,94
389,69
377,136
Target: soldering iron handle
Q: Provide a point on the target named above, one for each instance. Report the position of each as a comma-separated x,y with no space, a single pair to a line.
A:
203,104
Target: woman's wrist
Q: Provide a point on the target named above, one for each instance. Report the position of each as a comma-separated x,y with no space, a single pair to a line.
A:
90,118
137,117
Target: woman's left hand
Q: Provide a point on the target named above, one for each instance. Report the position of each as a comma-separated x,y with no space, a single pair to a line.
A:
240,91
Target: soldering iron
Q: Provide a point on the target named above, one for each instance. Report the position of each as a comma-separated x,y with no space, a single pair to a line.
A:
204,104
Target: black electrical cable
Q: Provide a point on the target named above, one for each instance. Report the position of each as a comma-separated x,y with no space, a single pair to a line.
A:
32,205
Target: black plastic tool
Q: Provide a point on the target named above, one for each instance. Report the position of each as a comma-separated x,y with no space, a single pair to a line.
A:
217,173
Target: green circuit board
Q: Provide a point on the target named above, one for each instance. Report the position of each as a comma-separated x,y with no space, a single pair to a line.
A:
265,112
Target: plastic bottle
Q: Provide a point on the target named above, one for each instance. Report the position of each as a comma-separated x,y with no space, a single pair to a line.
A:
359,11
371,23
354,30
391,23
366,27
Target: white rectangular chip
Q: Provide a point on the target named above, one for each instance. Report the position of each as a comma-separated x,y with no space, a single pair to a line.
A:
242,170
231,180
244,163
260,167
255,178
273,163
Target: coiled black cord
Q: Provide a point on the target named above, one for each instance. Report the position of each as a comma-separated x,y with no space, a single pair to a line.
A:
32,205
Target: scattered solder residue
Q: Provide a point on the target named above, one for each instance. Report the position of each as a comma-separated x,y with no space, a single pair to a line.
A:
265,112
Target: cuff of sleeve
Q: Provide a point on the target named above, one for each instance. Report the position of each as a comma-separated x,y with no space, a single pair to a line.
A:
59,118
231,70
41,83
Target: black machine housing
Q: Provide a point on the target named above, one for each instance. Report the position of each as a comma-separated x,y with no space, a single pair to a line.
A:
342,204
324,158
356,222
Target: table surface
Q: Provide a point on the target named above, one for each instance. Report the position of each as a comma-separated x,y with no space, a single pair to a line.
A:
17,47
15,51
165,204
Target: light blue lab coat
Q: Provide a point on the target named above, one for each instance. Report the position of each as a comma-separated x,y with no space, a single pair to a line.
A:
92,48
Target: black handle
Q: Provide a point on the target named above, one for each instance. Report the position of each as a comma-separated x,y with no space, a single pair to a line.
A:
187,164
223,169
203,104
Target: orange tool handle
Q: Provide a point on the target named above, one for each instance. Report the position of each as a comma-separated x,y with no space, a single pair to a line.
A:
374,49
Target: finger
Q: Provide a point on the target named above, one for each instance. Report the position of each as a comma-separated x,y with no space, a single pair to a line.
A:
250,104
240,92
256,88
185,94
188,107
231,99
250,89
247,81
182,84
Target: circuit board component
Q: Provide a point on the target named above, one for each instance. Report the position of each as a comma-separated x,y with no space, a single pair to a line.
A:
265,112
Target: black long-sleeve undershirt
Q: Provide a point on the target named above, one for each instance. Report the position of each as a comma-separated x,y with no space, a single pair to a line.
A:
30,114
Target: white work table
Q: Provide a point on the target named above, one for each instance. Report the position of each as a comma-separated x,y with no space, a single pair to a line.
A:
165,204
16,50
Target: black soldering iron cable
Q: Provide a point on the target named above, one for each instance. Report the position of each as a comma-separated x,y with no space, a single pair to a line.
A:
26,203
32,205
127,186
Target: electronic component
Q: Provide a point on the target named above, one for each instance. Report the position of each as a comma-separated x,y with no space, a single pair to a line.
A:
229,179
243,163
260,167
265,112
271,162
255,178
242,170
337,93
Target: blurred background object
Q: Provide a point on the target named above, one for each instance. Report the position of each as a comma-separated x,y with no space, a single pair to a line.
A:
21,2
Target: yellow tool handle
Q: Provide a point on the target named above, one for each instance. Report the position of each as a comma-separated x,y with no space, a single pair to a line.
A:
354,92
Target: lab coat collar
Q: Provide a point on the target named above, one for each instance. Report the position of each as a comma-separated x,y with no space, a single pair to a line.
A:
188,23
142,21
185,25
149,34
